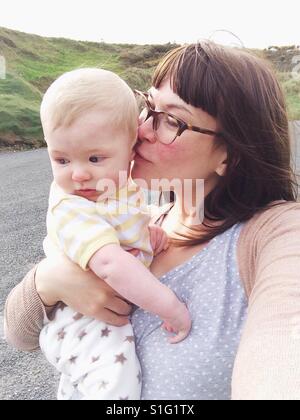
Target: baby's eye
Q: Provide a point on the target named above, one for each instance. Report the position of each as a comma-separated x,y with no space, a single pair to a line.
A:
62,161
95,159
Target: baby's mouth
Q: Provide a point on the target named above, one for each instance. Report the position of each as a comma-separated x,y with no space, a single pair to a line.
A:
86,192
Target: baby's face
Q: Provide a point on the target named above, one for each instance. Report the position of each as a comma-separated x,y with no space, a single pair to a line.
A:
86,152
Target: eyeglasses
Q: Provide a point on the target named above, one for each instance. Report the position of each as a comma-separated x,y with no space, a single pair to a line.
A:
166,126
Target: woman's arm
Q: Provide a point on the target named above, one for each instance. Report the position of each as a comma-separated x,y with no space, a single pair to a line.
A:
267,366
24,314
53,281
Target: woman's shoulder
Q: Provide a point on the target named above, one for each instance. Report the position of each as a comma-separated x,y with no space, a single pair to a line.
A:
274,230
271,217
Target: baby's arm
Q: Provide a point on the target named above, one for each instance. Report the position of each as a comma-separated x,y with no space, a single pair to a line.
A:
131,279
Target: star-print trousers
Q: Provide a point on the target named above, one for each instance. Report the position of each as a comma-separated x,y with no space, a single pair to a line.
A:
97,361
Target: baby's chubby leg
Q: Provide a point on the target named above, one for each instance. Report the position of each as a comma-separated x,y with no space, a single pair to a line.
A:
116,375
99,359
59,336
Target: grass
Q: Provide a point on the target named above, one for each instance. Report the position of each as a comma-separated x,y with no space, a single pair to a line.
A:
291,87
33,62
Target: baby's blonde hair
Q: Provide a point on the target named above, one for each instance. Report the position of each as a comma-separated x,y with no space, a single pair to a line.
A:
79,91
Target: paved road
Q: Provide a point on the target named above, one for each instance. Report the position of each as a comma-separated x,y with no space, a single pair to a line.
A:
24,181
296,148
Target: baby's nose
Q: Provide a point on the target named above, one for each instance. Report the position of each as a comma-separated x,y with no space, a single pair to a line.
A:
80,175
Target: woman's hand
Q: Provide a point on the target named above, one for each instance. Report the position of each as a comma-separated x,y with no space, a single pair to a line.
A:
60,279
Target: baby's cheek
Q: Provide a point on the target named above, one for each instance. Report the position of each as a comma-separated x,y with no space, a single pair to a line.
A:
62,178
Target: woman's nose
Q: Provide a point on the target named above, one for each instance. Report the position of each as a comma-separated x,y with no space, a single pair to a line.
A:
146,132
80,175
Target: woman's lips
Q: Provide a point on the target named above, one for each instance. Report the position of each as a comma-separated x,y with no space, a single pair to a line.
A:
138,155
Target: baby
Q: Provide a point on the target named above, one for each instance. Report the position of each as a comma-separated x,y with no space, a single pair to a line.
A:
90,119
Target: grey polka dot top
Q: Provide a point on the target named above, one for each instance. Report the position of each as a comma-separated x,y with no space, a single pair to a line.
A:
200,367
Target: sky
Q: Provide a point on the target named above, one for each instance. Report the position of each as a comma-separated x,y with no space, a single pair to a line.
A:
255,23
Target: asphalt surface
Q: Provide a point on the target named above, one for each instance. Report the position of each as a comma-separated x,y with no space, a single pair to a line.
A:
296,148
25,178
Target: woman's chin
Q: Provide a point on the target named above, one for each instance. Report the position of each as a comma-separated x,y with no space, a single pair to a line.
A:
137,170
140,177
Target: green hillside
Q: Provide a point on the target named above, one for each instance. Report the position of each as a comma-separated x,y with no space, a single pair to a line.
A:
33,62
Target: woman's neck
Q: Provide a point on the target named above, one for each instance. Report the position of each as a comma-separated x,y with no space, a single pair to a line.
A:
188,210
181,218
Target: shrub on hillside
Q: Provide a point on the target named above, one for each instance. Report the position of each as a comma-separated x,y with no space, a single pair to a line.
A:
292,87
137,78
145,55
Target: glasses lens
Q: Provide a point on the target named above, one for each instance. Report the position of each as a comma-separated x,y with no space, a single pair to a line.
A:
165,126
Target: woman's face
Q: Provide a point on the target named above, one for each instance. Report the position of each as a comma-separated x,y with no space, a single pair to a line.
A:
191,156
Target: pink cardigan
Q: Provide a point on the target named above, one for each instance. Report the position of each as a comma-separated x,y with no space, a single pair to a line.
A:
267,364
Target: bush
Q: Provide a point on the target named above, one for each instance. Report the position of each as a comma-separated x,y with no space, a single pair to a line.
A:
145,55
137,78
292,87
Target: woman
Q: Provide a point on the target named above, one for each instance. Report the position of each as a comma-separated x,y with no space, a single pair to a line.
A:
216,114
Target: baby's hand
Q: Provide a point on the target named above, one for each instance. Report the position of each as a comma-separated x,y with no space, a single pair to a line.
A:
159,239
179,324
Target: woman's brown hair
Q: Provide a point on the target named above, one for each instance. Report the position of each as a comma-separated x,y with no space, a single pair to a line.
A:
241,91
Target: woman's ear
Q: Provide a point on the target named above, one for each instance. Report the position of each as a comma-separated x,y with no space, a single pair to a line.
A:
222,167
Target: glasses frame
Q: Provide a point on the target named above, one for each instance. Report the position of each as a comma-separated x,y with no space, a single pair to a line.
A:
182,125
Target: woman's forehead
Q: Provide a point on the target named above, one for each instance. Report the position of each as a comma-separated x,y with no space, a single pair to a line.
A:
166,99
165,92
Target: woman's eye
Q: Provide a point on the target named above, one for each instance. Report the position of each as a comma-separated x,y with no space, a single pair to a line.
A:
171,121
95,159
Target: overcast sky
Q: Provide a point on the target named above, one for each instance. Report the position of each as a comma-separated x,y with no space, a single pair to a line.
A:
258,23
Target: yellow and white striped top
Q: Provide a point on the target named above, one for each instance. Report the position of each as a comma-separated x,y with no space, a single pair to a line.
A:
79,227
